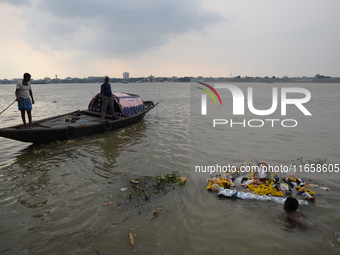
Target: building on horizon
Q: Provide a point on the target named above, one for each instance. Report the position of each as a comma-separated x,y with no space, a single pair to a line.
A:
126,75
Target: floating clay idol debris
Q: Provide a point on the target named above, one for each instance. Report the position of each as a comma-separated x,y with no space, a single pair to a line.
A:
261,183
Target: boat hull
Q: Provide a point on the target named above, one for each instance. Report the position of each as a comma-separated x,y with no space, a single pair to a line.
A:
63,127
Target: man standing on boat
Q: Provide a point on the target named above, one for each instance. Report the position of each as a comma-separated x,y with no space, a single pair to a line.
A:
23,93
106,94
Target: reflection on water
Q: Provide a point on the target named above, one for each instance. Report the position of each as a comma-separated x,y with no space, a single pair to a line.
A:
53,202
96,154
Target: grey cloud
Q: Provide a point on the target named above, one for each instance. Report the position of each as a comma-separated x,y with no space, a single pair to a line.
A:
115,27
16,2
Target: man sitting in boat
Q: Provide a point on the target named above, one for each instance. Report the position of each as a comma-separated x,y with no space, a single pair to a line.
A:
107,100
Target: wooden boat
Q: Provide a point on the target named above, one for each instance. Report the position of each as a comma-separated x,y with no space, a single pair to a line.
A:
128,109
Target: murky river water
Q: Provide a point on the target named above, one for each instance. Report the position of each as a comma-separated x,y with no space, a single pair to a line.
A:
52,203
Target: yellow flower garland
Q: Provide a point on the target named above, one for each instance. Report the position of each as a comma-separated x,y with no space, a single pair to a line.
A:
293,180
222,182
265,190
304,189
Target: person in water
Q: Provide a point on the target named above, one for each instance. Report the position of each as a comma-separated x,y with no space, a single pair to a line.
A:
23,93
295,218
106,94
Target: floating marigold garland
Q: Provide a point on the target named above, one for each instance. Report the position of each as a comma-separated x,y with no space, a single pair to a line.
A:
264,184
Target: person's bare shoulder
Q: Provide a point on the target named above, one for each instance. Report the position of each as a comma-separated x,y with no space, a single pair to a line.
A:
296,218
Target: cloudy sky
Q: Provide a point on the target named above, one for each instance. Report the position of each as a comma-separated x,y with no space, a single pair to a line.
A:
81,38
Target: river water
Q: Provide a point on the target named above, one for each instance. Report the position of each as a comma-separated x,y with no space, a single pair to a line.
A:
52,203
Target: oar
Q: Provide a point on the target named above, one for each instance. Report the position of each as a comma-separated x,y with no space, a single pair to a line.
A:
8,107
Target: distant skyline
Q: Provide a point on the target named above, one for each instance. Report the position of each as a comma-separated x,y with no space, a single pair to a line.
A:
126,76
82,38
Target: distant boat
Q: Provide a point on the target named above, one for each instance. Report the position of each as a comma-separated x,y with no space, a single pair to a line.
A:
128,109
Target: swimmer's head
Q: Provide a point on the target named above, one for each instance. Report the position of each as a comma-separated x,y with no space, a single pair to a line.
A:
291,204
